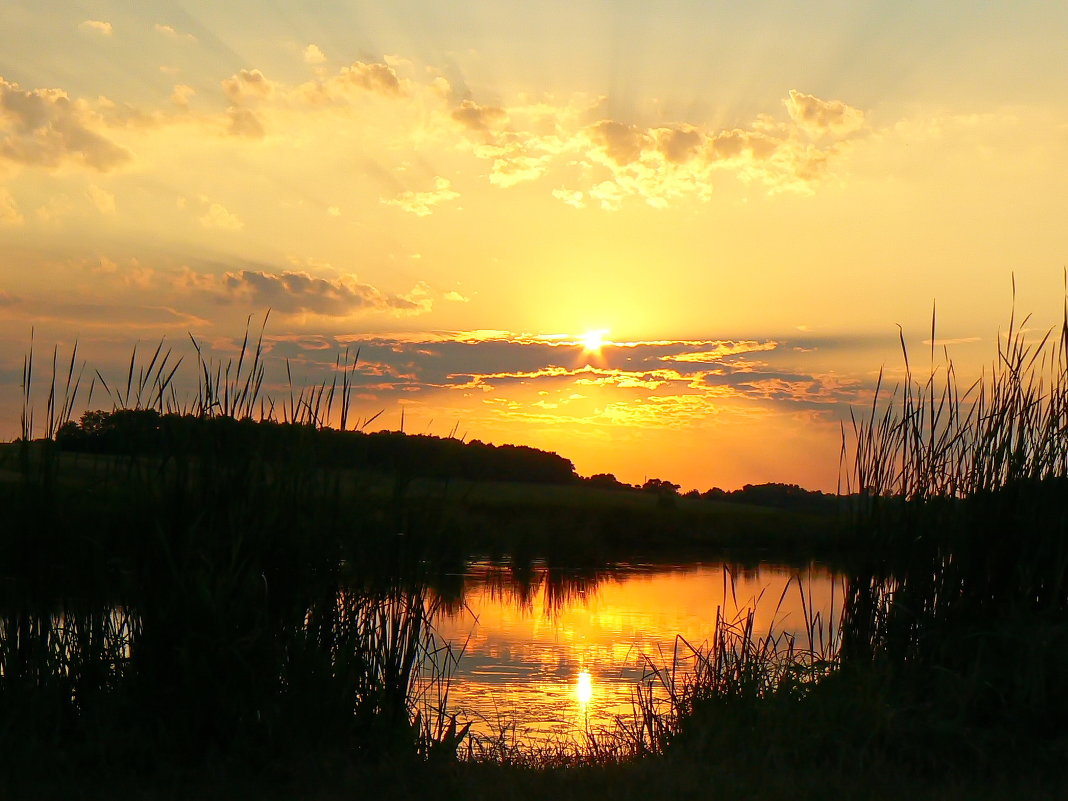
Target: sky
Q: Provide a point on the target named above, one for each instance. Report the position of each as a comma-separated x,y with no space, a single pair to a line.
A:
669,239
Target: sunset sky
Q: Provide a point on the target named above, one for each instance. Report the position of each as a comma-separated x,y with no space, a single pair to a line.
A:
740,200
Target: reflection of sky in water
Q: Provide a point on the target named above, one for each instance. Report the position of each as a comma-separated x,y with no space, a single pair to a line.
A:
553,655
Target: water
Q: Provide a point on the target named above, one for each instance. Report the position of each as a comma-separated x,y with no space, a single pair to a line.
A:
551,655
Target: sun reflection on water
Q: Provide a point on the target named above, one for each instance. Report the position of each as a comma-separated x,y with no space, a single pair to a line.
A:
533,641
584,688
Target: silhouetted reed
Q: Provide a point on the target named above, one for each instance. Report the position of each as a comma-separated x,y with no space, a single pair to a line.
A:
208,599
962,499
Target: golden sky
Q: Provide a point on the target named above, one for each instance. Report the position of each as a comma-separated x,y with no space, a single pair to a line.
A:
745,199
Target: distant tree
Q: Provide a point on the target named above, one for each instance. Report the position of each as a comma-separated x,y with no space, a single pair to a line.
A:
661,487
783,496
147,431
606,481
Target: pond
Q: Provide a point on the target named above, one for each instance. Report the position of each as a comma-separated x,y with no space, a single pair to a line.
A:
550,655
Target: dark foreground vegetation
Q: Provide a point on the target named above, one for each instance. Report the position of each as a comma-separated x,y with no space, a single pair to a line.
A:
225,616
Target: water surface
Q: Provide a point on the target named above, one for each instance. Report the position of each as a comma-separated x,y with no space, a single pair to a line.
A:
549,655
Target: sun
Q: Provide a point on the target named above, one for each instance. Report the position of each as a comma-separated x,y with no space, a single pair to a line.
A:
593,341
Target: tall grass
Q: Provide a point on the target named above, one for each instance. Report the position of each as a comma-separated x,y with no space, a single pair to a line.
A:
962,497
219,599
699,687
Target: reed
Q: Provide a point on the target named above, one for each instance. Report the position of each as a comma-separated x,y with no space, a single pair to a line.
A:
210,599
685,696
961,498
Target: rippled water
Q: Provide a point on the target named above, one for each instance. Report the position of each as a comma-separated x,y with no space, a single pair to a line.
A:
549,655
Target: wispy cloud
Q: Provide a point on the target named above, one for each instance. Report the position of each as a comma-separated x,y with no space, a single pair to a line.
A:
96,26
298,292
421,204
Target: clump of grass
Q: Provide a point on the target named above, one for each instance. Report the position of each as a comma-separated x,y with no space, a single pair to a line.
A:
684,699
961,497
192,603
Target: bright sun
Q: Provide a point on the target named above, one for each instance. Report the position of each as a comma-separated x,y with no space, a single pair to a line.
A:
593,341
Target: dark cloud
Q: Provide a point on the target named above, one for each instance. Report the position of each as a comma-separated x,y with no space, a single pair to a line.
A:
465,361
291,292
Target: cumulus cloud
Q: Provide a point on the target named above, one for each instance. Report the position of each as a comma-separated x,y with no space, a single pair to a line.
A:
352,82
96,26
621,144
479,118
678,145
313,55
296,292
374,77
46,128
819,117
219,217
247,85
660,164
422,204
9,209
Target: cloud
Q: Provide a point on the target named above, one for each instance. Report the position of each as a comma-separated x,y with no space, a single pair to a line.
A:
103,200
313,55
422,204
501,362
621,144
248,85
571,197
106,315
819,117
378,78
721,349
618,160
45,128
171,33
678,145
181,94
219,217
292,292
96,26
9,210
243,122
479,118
